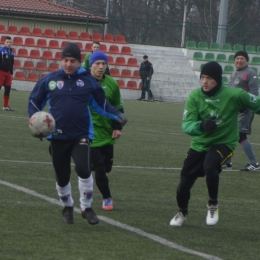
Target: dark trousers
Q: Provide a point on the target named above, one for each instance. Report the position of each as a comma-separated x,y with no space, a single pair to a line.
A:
200,164
62,151
101,162
146,87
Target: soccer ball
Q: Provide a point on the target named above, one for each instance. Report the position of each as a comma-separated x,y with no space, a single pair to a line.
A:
41,124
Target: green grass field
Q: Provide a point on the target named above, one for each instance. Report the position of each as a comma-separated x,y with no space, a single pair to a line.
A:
148,158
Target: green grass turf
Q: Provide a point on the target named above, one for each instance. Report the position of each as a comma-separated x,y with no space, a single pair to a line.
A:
143,188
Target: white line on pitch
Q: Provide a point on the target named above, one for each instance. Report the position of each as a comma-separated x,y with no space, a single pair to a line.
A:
112,222
145,130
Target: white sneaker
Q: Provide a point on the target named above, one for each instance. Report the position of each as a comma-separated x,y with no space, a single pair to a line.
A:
178,219
7,109
212,217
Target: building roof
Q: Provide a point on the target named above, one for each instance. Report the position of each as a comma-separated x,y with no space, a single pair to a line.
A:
45,8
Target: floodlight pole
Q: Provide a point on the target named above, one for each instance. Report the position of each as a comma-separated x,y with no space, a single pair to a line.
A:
107,14
222,22
183,25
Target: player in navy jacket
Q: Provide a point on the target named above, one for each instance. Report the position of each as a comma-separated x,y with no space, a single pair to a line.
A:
69,92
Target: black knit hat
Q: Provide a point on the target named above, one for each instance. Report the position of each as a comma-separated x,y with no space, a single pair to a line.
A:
71,50
145,57
213,70
241,53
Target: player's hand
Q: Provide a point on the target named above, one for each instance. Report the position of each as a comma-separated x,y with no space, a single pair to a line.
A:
208,124
116,134
122,119
38,136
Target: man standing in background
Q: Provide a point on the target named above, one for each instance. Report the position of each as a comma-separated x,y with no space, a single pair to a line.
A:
6,70
146,72
245,78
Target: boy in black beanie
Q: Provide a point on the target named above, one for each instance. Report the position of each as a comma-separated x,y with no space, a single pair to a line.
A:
246,79
210,117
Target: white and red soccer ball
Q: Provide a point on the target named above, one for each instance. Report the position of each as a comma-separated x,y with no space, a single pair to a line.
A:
41,124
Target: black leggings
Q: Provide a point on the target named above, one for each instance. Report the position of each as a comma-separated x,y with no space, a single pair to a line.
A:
200,164
62,151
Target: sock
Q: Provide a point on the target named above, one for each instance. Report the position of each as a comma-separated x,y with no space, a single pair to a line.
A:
6,100
65,195
246,145
86,192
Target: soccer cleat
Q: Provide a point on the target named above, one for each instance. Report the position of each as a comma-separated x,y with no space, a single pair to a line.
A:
212,216
227,166
67,215
107,204
140,99
90,215
178,219
7,109
251,167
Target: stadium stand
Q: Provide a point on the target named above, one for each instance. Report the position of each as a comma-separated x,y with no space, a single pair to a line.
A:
198,55
47,55
29,42
110,60
120,39
226,47
37,32
41,43
221,57
126,50
103,48
73,35
57,55
238,47
35,54
209,56
255,69
32,76
132,62
28,65
24,30
63,43
228,69
120,61
2,28
126,73
17,40
203,46
53,66
84,36
97,37
191,45
12,29
114,72
17,64
231,58
22,53
131,84
250,49
255,61
113,49
214,46
80,45
49,33
19,75
136,74
121,83
40,65
224,80
109,38
61,34
88,47
54,44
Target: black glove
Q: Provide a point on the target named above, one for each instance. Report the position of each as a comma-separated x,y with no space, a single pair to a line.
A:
208,124
122,119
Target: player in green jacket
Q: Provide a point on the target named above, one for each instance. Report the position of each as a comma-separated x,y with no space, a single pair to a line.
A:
105,131
210,116
95,47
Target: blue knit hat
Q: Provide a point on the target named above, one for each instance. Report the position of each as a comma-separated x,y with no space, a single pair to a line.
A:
97,55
